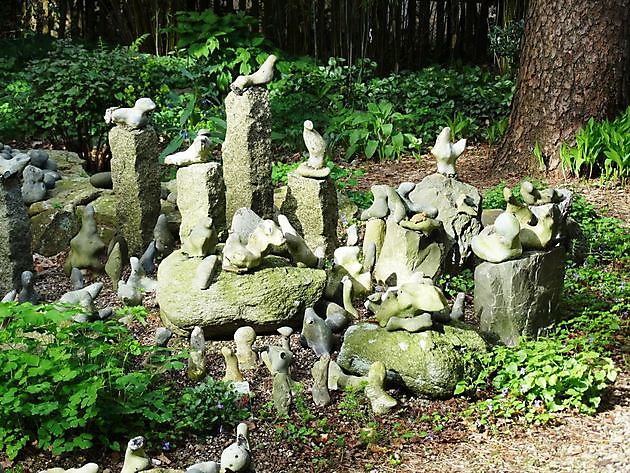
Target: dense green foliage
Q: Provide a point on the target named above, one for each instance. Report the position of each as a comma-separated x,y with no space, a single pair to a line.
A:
601,148
68,385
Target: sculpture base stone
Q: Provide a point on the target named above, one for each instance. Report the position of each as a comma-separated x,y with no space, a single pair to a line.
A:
311,207
428,363
273,295
517,298
136,181
15,235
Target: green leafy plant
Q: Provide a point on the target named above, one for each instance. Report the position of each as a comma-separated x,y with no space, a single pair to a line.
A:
505,43
600,148
494,133
461,126
211,404
372,132
66,385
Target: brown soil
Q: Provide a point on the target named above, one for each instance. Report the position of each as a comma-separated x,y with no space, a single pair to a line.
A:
419,435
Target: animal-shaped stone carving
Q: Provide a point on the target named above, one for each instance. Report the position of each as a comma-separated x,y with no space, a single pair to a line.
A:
232,371
244,338
236,458
239,257
316,146
201,240
316,334
300,253
135,117
499,242
262,76
197,152
136,458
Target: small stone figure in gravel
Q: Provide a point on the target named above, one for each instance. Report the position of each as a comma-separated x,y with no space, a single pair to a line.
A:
203,467
136,458
205,272
300,253
244,338
113,266
316,334
87,468
86,247
321,396
282,390
147,260
232,373
138,283
446,153
85,298
237,457
33,187
197,357
27,292
380,401
286,333
76,279
162,336
337,379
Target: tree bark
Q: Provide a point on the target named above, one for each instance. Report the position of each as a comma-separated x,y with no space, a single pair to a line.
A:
573,66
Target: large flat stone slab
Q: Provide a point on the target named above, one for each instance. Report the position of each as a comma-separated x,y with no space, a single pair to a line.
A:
275,294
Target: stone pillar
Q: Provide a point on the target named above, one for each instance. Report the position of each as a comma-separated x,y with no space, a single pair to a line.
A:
247,153
136,180
201,194
517,298
15,235
311,207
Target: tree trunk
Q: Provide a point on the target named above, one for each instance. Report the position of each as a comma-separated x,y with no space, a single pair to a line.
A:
574,64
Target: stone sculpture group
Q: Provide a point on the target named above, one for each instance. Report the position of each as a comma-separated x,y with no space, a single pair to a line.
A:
247,265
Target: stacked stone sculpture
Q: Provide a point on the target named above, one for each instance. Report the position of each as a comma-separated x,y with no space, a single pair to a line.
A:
316,146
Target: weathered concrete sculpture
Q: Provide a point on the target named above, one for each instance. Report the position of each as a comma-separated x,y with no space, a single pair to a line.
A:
33,187
414,323
203,467
446,153
27,291
236,458
338,380
286,332
164,240
201,240
205,272
76,279
87,468
162,336
300,253
244,338
321,396
280,359
86,248
387,203
316,334
232,371
14,166
403,190
239,257
197,355
135,179
137,284
499,242
316,145
533,196
136,458
84,298
347,258
380,401
113,266
135,117
261,77
197,152
347,296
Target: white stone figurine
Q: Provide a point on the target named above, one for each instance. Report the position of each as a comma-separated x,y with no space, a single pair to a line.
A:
197,152
380,401
499,242
237,457
135,117
262,76
446,153
87,468
316,146
244,338
300,253
239,257
135,457
232,371
203,467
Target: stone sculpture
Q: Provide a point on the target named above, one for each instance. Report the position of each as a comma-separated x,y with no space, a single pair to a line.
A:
236,458
387,203
240,257
197,356
205,272
76,279
352,233
338,380
203,467
137,284
457,311
300,253
337,318
499,242
232,371
542,234
84,298
13,166
316,334
113,266
261,77
86,248
136,458
244,338
197,152
162,336
147,260
33,187
321,396
380,401
286,332
414,323
403,190
315,166
347,259
533,196
27,292
135,117
164,240
347,296
280,359
201,240
446,153
87,468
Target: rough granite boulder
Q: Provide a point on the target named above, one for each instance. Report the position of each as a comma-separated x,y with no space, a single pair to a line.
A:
274,295
246,153
517,298
459,210
430,363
